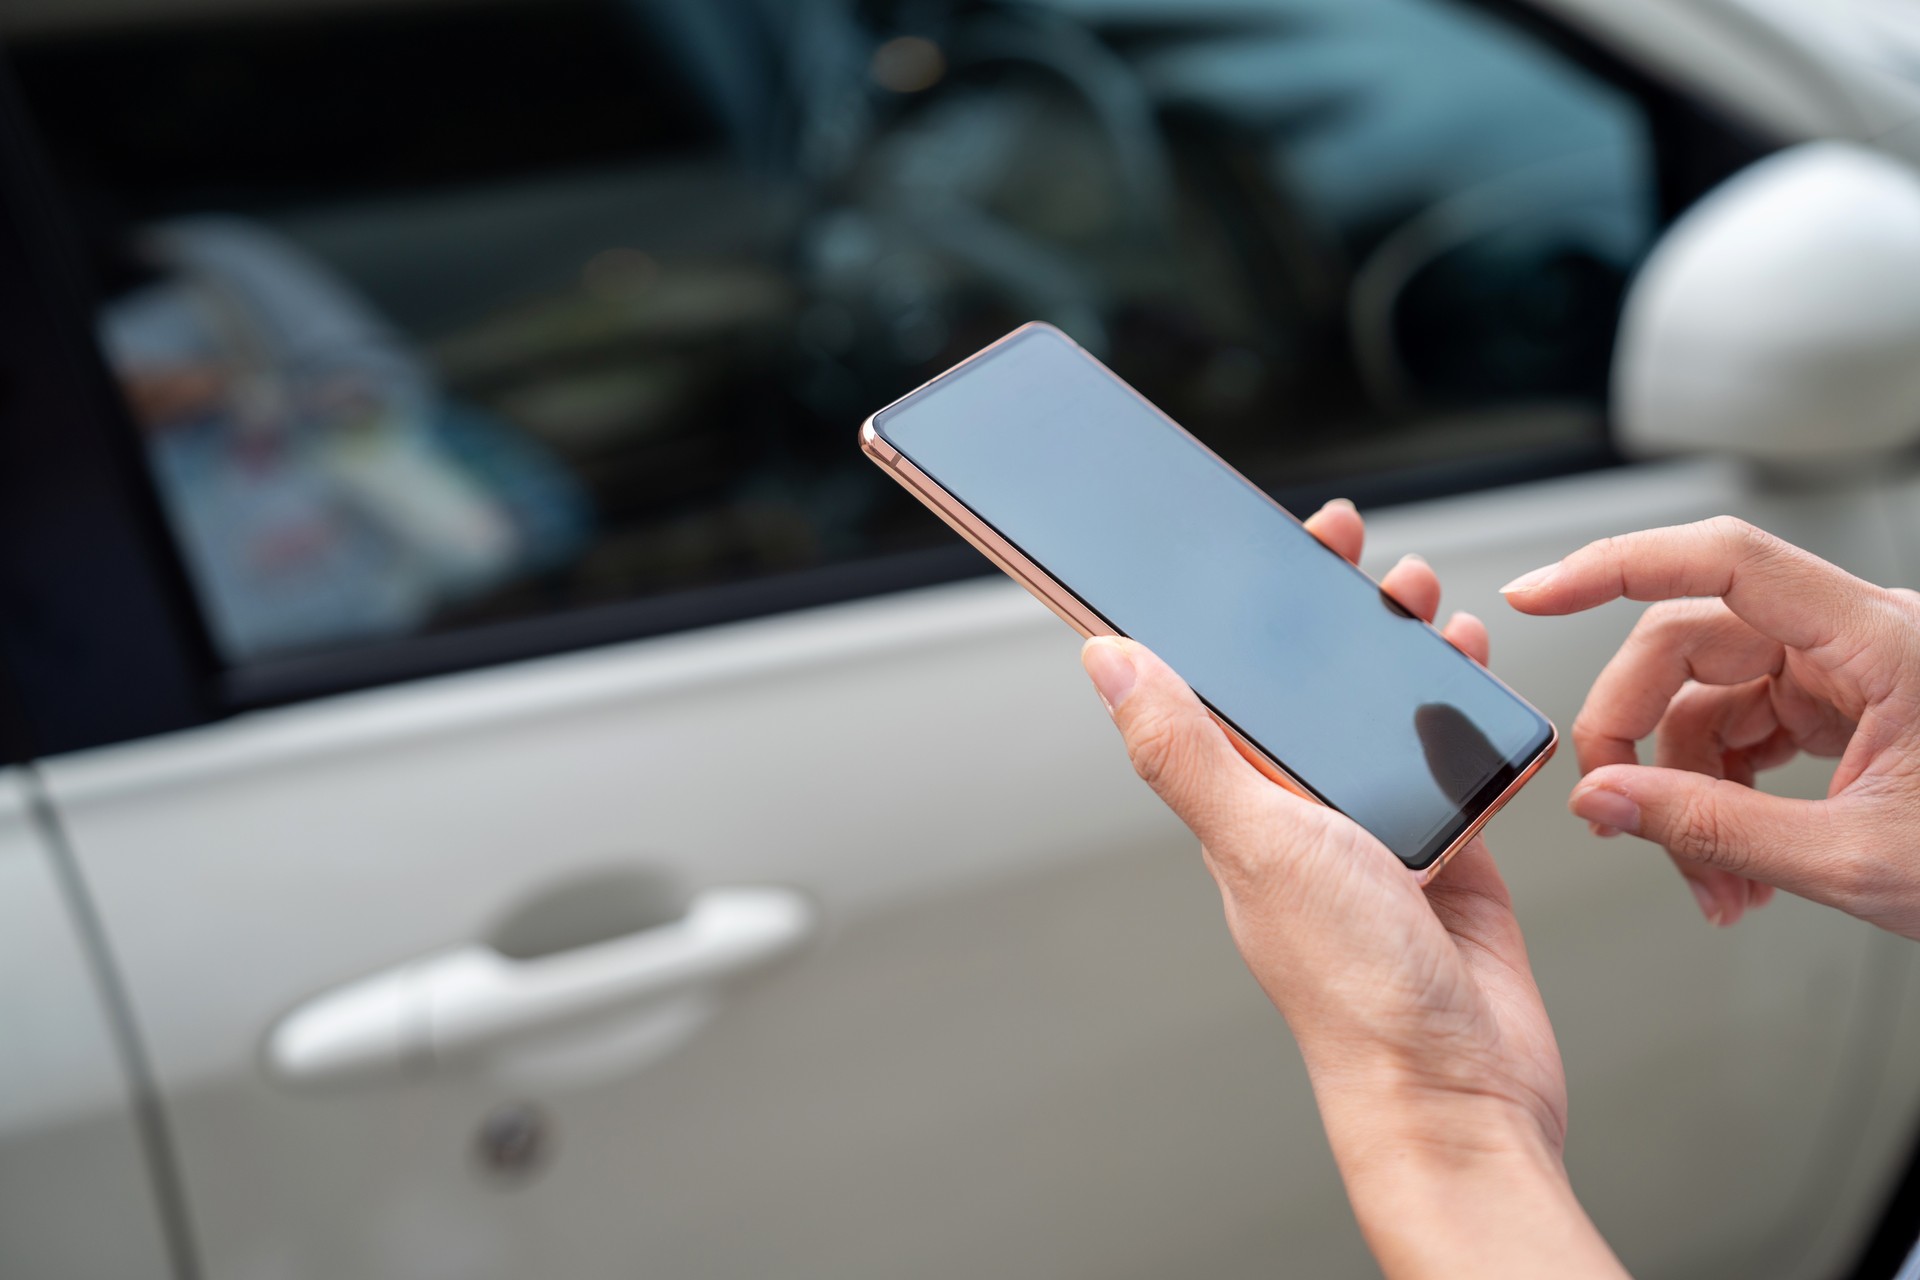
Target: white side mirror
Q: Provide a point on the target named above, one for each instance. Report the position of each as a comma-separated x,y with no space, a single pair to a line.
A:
1780,317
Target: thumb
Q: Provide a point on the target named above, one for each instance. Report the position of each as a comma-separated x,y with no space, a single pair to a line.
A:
1174,742
1793,844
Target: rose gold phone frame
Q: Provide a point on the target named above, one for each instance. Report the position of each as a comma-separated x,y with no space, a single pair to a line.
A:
1075,612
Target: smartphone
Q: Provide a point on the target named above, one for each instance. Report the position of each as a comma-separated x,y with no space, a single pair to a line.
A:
1123,524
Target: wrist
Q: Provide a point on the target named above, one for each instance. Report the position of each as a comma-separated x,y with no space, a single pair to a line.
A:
1449,1184
1379,1120
1379,1095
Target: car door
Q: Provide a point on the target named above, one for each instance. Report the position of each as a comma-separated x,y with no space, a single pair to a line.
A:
77,1195
552,816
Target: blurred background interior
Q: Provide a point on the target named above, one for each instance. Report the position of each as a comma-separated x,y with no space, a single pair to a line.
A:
435,315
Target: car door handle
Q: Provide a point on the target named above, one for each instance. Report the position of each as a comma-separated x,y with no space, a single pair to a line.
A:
431,1011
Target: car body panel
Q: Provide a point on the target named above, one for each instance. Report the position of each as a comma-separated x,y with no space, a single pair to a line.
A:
1022,1043
76,1198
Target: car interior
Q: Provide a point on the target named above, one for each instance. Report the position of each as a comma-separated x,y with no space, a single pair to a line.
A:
554,238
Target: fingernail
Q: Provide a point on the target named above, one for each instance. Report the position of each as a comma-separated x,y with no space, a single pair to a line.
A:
1608,809
1531,581
1709,905
1108,663
1414,556
1602,830
1346,503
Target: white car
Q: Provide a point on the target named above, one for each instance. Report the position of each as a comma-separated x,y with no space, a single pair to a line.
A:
496,788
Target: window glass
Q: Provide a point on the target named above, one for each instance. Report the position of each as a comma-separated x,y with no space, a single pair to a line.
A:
438,313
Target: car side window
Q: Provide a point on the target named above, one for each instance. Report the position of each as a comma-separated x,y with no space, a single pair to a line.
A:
439,315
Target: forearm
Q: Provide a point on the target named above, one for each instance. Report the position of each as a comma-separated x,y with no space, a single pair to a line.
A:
1460,1186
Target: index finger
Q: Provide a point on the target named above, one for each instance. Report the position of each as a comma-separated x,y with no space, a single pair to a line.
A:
1787,594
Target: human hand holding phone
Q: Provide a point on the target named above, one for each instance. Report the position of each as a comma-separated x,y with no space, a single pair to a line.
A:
1124,524
1430,1052
1332,750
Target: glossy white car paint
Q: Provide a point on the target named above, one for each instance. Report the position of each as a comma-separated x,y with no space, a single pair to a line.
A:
1783,301
1022,1044
75,1195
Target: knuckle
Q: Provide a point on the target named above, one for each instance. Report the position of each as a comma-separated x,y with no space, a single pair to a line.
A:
1663,621
1693,697
1727,526
1250,848
1302,837
1676,630
1582,730
1899,614
1738,535
1858,869
1586,733
1169,753
1904,629
1153,744
1698,832
1686,614
1694,708
1854,881
1754,551
1611,552
1879,647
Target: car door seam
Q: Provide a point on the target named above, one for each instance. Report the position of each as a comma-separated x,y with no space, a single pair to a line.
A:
157,1147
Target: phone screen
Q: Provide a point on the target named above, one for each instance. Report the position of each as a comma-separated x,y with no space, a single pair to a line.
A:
1299,651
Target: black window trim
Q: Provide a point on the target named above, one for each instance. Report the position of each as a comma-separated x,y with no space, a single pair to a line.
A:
100,635
103,639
